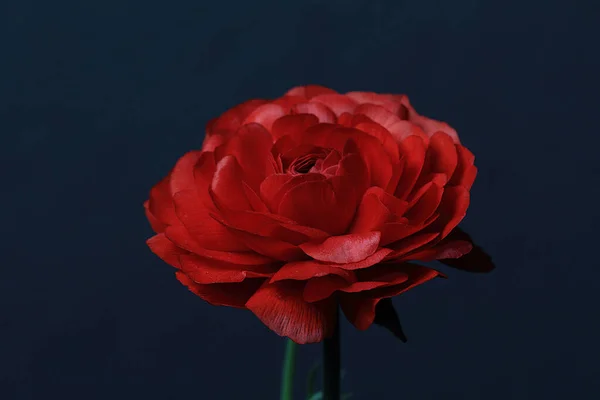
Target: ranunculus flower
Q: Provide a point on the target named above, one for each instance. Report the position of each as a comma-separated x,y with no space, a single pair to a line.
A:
315,199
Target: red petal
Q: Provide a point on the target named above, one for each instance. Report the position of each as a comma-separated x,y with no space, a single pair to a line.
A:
465,172
309,91
293,125
207,271
165,249
275,187
441,157
182,176
270,247
413,151
251,146
359,308
287,102
232,119
475,261
182,238
344,249
383,135
321,288
281,308
265,115
371,214
304,270
396,206
386,101
452,209
227,185
337,103
430,126
223,294
322,112
207,232
160,204
411,243
156,225
449,249
424,204
417,275
315,204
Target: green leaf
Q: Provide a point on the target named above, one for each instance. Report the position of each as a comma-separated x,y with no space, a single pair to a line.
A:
289,367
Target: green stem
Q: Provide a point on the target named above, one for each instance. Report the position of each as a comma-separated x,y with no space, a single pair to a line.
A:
289,366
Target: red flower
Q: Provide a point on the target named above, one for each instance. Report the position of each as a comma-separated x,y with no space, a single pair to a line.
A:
316,199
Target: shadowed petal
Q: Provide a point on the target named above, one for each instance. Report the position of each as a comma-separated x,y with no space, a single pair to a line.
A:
222,294
165,249
474,261
280,307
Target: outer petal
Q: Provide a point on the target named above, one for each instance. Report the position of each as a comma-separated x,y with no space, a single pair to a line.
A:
465,172
359,308
344,249
232,119
222,294
386,101
305,270
413,151
208,233
207,271
430,126
338,103
166,250
160,206
265,115
474,261
322,112
281,308
309,91
156,225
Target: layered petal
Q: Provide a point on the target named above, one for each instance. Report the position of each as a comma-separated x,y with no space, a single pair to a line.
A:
360,307
222,294
280,307
344,249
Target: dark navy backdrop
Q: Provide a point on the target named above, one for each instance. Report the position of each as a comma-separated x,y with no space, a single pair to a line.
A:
98,100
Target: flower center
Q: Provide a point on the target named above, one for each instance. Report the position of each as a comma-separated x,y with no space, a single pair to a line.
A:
317,160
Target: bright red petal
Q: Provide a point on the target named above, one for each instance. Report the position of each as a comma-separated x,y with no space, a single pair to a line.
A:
344,249
322,112
309,91
265,115
281,308
337,103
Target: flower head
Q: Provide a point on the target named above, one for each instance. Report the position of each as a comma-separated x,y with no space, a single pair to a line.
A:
315,199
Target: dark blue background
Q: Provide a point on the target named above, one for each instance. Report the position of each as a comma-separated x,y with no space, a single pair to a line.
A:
98,100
